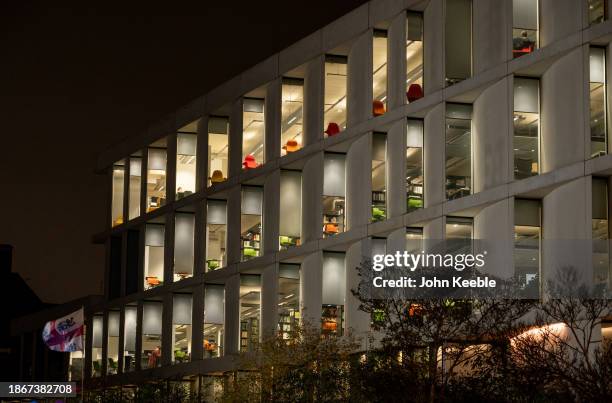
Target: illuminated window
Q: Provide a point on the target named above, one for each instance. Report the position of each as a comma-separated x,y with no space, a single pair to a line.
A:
379,73
292,111
156,175
526,127
598,11
334,111
214,303
154,256
117,193
414,240
135,185
181,327
334,281
253,133
129,339
218,149
527,235
334,193
290,215
216,234
184,228
112,345
597,98
97,326
458,40
524,27
458,150
151,334
414,165
288,298
186,146
414,56
600,234
250,311
379,177
251,222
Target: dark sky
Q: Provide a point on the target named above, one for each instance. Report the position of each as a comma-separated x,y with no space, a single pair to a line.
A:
79,77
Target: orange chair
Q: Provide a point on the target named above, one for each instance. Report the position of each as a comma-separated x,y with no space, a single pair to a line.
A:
415,91
217,177
378,108
291,146
331,228
152,281
332,129
249,162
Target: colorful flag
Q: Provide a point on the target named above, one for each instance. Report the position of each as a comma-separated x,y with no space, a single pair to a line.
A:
66,333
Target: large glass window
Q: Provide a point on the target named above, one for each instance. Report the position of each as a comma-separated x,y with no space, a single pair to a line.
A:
184,227
292,112
334,193
214,303
135,185
334,286
414,240
598,11
524,27
379,177
379,73
251,222
414,164
154,255
151,334
600,234
526,127
216,234
97,326
253,133
186,146
156,175
414,56
458,40
181,327
218,149
250,311
597,101
112,346
527,235
334,112
129,338
458,150
117,193
290,216
288,298
459,232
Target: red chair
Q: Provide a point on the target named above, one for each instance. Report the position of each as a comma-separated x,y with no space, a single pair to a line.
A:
415,91
249,162
332,129
378,108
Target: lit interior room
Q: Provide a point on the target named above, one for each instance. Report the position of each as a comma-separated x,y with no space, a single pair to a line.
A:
527,234
151,334
379,176
129,338
597,101
186,147
184,229
218,149
292,112
154,255
97,328
458,150
379,73
156,175
288,298
524,27
334,193
134,185
214,304
290,214
250,311
117,193
253,132
334,287
251,222
526,127
216,234
181,327
334,108
414,56
414,165
112,345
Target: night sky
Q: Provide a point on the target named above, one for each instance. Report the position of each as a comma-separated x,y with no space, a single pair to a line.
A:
80,77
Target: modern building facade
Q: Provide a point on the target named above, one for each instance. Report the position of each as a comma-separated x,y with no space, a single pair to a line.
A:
247,210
